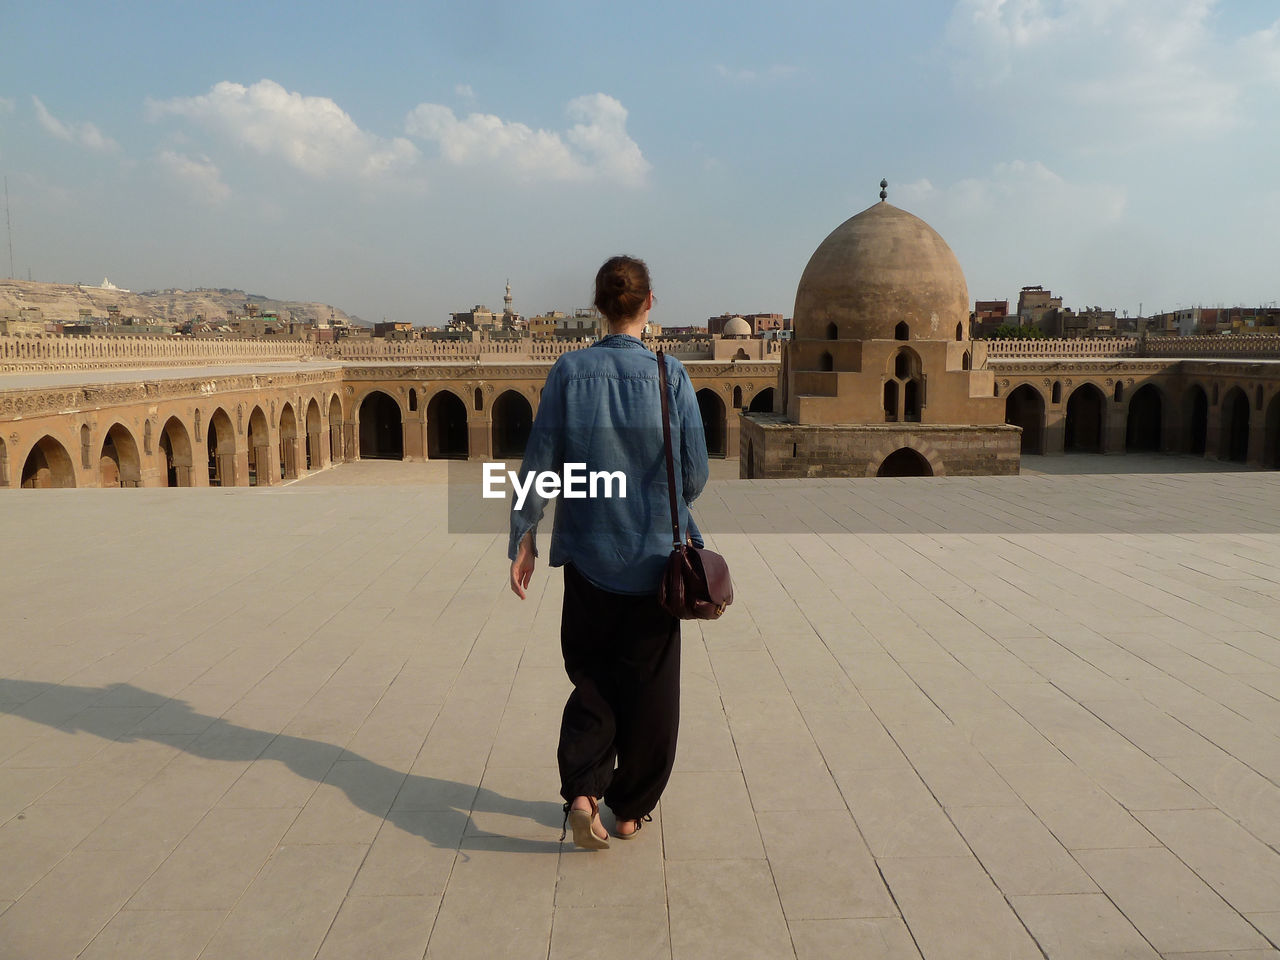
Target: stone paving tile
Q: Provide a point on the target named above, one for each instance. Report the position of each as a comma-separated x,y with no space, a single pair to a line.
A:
501,892
288,909
589,933
954,911
1171,907
214,863
1019,852
708,816
1244,871
1081,927
874,939
155,935
398,928
724,909
344,739
822,867
412,855
898,815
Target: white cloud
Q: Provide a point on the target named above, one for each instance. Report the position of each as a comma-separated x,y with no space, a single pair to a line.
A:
83,134
312,134
1118,72
1022,223
596,146
1263,50
1016,191
6,105
198,174
464,91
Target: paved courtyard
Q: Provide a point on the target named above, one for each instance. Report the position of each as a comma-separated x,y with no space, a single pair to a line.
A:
955,718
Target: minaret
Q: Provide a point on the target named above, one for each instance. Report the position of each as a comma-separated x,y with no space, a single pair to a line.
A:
507,299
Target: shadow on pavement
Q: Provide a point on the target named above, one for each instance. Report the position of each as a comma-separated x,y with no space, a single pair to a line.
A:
372,787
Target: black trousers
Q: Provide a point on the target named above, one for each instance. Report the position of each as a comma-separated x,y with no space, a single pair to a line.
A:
622,653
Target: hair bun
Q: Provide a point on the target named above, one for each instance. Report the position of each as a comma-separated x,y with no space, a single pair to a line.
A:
622,285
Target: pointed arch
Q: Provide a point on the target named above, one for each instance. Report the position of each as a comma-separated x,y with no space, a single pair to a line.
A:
713,421
447,437
1024,407
1086,419
381,427
1233,442
175,447
48,465
512,421
118,462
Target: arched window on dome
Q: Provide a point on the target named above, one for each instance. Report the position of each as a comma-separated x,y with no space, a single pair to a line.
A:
907,377
833,332
960,332
825,362
902,331
912,401
890,401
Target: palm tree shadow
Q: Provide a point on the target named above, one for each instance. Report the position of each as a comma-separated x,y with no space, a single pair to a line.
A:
366,783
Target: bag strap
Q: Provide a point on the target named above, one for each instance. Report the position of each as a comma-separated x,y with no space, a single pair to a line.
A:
666,443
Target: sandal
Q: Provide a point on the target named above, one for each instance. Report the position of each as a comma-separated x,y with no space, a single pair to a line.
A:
639,822
582,821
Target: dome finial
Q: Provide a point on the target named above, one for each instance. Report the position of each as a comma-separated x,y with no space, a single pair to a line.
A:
884,194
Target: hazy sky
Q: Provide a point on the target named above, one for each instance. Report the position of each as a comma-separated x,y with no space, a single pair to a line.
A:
403,160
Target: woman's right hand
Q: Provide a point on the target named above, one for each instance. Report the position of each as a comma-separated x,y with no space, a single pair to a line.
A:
522,566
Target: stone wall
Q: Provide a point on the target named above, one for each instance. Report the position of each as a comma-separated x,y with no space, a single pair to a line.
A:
772,446
25,354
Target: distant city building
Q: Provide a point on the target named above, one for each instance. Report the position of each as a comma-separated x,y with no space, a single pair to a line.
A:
759,322
25,321
394,330
543,326
1038,307
988,315
585,323
1085,323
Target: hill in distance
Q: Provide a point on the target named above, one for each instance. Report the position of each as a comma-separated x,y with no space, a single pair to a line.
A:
64,301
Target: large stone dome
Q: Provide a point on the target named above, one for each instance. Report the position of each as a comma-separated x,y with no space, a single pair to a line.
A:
878,269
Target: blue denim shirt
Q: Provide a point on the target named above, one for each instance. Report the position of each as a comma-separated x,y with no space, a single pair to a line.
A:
600,407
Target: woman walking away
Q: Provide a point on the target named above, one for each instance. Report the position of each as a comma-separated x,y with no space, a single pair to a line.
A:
601,408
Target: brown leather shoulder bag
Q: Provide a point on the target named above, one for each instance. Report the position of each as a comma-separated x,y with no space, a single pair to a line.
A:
695,584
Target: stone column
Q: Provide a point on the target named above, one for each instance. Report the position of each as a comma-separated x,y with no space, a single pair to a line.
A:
1055,429
336,453
415,436
732,433
262,463
479,437
317,449
351,440
1257,436
1213,434
234,468
1115,426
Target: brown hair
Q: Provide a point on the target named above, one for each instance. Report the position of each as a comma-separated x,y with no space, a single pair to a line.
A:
622,286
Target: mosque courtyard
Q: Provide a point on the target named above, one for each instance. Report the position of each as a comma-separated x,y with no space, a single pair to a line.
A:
1014,717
